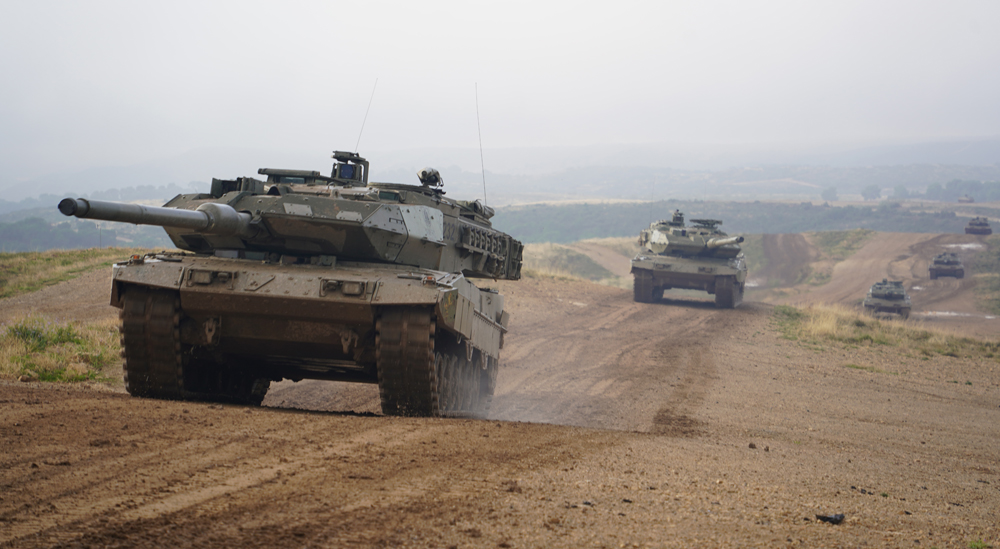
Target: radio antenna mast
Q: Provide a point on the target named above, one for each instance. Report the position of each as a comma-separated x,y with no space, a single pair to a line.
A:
479,128
366,116
652,187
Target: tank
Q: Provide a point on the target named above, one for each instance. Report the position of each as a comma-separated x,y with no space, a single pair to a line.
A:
888,296
306,276
978,225
699,257
947,264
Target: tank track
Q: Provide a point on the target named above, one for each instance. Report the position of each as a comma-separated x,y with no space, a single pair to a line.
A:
150,340
728,292
158,365
404,356
642,288
417,379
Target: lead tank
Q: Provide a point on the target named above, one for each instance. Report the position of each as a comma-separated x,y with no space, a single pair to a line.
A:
699,257
888,296
307,276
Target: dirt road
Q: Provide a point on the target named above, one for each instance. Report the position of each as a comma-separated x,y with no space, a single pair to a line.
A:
615,424
787,261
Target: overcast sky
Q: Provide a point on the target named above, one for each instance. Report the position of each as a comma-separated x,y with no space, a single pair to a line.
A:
112,83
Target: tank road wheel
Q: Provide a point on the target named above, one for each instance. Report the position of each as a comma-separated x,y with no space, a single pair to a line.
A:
728,293
151,347
642,287
465,388
404,356
960,274
904,313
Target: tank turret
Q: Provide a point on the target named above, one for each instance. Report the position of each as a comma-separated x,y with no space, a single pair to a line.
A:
703,239
301,214
304,275
699,256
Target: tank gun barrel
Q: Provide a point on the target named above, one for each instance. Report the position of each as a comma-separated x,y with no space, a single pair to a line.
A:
209,218
716,242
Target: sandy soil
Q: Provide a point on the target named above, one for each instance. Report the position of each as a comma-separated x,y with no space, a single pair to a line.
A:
615,424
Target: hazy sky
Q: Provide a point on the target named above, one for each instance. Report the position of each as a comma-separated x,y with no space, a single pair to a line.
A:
96,83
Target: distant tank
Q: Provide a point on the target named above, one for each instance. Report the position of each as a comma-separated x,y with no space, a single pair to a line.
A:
699,257
978,225
888,296
947,264
319,277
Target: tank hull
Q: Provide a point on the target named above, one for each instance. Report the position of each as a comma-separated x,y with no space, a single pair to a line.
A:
937,271
901,308
979,230
430,339
721,277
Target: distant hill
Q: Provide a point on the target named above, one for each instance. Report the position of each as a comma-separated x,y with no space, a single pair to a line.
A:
518,175
564,223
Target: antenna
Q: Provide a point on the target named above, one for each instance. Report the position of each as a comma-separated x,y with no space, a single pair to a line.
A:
652,186
366,116
479,128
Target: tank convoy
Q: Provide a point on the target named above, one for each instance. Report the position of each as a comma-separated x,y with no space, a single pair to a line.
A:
946,264
978,225
888,296
697,257
307,276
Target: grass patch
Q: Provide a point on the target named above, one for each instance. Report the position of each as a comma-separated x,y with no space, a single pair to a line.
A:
624,245
871,369
25,272
558,260
59,352
853,328
986,268
839,245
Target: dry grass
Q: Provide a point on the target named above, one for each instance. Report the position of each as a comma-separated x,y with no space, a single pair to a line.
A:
835,323
559,260
839,245
42,350
627,246
25,272
986,266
